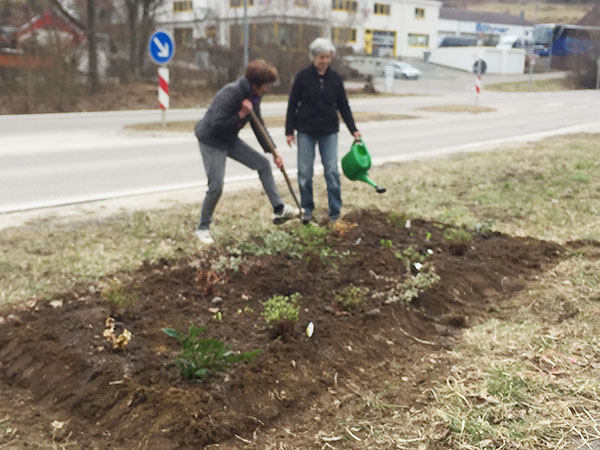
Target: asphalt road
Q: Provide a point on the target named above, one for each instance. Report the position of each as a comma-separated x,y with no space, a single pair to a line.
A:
54,159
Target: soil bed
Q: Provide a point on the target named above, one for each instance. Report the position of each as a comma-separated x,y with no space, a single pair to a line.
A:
62,368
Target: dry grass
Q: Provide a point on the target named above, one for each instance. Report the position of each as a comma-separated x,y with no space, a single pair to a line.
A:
534,86
565,12
275,121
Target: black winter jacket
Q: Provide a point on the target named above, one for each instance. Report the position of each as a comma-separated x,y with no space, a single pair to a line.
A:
314,102
221,124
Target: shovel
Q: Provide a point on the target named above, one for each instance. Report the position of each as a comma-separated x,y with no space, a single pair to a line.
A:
356,164
267,139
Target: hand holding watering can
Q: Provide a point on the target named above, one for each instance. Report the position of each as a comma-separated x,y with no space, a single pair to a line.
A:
356,164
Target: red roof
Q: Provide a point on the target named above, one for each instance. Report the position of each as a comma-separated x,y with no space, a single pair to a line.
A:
49,20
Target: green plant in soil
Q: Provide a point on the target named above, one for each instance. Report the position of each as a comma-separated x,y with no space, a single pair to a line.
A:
397,219
280,309
273,243
409,256
352,296
415,286
313,241
386,243
198,356
118,295
457,236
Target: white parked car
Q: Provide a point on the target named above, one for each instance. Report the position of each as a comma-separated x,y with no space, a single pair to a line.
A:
405,71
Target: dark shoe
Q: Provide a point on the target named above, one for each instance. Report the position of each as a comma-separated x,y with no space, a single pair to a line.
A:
307,219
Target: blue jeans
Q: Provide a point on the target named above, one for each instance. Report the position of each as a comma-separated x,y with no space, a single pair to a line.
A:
328,144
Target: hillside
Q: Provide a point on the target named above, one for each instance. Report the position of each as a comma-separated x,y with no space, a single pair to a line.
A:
547,11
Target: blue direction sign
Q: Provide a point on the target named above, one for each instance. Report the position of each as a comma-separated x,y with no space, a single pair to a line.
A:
161,47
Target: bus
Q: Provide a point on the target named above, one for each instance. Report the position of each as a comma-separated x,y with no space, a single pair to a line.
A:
562,42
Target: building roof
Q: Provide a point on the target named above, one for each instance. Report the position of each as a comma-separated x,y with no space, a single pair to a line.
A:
466,15
591,19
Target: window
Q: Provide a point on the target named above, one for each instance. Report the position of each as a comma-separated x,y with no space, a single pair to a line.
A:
420,13
343,35
344,5
183,6
184,37
239,3
418,40
210,31
301,3
382,9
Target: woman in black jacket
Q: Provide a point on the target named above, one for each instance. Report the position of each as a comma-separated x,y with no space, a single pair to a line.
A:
217,135
317,95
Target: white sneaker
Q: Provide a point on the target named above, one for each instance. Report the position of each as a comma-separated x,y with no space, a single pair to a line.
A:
204,237
289,212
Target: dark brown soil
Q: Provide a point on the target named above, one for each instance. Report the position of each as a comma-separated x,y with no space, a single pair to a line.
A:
56,365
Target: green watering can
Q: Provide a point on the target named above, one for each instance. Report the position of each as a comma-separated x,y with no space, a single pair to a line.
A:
356,164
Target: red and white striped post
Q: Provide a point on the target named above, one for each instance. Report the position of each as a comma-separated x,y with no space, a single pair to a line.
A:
478,71
163,92
477,88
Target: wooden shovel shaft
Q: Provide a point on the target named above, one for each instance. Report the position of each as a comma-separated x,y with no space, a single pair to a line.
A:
267,139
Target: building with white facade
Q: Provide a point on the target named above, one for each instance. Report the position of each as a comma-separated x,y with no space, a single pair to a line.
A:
387,28
488,27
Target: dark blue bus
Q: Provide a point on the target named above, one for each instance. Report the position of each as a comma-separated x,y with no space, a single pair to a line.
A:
550,39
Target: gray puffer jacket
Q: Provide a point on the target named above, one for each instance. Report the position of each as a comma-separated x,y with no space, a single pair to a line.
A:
221,124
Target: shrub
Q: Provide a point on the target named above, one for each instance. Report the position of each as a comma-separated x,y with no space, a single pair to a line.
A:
352,296
198,356
415,286
457,236
281,308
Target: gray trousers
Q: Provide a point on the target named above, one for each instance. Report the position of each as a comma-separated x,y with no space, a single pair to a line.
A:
214,164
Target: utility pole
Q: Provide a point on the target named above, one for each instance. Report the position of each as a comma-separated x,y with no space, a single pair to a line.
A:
246,35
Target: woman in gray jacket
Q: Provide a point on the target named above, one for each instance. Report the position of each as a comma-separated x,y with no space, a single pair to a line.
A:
218,138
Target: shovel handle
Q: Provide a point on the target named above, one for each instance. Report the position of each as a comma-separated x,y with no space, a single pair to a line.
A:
267,139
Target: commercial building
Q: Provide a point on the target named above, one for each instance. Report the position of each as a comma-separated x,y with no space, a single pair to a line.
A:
387,28
485,27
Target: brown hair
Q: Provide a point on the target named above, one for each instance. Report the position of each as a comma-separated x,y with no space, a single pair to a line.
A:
260,72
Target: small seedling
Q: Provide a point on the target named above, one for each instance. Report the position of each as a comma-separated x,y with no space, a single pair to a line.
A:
386,243
198,356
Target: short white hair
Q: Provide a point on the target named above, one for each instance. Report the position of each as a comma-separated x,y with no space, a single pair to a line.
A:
319,46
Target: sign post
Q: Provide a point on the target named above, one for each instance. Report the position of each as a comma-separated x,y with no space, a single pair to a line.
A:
161,47
598,74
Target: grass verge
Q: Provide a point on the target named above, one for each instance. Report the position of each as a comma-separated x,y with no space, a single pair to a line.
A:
474,109
275,121
554,84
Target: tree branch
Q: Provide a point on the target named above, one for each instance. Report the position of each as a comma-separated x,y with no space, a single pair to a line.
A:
68,16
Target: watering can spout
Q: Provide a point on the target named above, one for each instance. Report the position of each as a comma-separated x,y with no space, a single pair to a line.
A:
356,164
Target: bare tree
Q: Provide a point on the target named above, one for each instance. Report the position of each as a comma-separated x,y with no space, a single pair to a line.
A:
90,33
140,20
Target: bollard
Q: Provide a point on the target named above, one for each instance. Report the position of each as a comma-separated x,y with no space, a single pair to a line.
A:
163,92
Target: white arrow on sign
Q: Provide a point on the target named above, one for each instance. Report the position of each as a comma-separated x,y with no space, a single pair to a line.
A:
163,49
